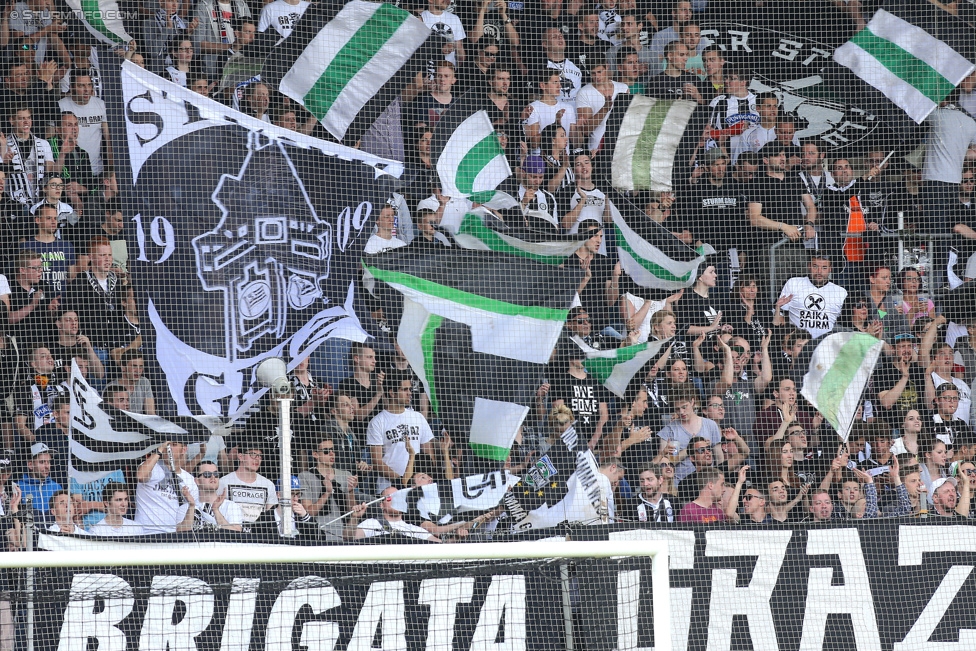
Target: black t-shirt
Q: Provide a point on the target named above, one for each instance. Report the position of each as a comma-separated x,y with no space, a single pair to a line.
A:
665,86
692,309
470,77
887,376
350,386
583,397
37,327
712,213
62,358
780,202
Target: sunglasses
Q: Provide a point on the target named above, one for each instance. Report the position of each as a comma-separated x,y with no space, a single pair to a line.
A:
208,474
327,450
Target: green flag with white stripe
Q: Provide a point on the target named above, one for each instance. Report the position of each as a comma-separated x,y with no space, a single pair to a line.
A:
647,143
336,69
103,19
479,346
913,68
840,368
653,258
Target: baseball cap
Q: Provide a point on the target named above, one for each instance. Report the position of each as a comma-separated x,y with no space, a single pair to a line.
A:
534,165
296,485
6,461
39,448
937,484
430,204
945,386
904,336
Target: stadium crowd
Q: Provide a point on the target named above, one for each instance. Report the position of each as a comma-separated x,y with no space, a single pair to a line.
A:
712,430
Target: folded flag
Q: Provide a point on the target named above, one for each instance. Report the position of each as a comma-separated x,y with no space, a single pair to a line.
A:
653,258
104,439
102,18
615,368
483,232
439,503
348,68
840,368
913,68
470,160
647,142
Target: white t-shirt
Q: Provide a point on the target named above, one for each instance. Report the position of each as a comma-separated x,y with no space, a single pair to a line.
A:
388,430
570,78
645,327
376,244
814,309
596,202
159,506
544,115
253,498
373,527
752,139
589,97
128,528
90,119
282,16
4,286
447,26
78,531
965,395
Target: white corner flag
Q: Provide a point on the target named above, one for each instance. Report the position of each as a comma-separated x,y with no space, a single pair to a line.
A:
839,370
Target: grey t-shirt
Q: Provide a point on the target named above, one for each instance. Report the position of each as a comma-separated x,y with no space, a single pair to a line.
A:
311,482
674,431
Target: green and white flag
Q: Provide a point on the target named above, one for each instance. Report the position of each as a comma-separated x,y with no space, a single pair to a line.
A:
474,232
913,68
615,368
102,18
647,142
336,69
469,157
654,258
839,370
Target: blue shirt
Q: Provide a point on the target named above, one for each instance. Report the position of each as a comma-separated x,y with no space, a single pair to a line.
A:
40,490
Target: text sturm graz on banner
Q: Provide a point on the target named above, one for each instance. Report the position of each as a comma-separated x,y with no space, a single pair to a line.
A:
253,247
880,585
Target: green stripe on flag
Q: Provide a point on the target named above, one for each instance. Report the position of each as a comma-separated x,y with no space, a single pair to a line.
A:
602,367
353,57
468,299
476,160
93,14
644,148
473,226
492,452
839,376
905,65
427,338
656,270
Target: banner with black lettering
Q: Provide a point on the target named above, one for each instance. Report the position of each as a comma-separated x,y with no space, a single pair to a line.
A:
251,234
875,585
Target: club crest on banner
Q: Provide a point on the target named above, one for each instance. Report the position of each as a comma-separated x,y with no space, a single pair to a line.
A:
254,248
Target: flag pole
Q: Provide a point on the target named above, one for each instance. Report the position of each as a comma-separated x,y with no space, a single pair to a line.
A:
385,498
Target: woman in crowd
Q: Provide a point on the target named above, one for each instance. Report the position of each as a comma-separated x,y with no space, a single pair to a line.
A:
779,465
743,315
934,455
559,168
912,305
181,53
906,439
854,318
